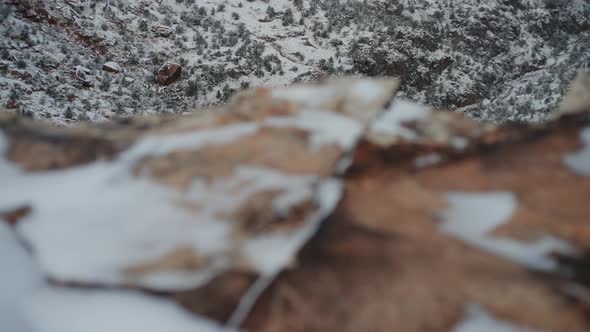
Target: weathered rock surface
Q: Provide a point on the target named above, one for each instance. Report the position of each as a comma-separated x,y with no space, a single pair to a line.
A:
443,224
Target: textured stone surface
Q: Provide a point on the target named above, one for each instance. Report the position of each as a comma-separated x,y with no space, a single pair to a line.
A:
381,261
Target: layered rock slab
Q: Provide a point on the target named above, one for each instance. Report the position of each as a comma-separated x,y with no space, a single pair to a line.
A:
445,224
180,201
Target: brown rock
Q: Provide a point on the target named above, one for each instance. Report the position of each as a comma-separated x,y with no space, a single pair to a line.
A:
169,73
381,263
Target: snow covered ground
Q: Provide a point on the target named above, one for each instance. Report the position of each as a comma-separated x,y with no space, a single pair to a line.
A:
30,304
492,60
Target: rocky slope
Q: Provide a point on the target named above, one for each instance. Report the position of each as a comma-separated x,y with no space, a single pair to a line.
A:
68,61
378,218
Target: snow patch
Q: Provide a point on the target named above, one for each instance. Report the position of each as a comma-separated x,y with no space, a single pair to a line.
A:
29,304
460,143
391,122
308,96
478,320
92,230
325,127
472,216
368,90
58,310
20,278
579,162
157,145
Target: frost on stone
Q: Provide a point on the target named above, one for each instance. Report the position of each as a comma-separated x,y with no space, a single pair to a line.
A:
579,162
471,217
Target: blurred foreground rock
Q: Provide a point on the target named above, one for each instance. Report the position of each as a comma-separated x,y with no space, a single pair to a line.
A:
411,220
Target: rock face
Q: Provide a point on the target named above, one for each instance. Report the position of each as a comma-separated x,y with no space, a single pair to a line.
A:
169,73
314,207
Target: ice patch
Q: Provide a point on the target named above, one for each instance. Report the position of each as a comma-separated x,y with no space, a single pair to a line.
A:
579,162
391,122
471,216
478,320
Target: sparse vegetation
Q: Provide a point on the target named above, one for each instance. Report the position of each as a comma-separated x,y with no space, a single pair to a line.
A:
455,54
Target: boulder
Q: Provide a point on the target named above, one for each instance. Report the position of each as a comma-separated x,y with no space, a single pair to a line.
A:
169,73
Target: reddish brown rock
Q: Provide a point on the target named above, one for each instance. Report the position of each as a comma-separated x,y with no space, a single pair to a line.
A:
381,261
169,73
